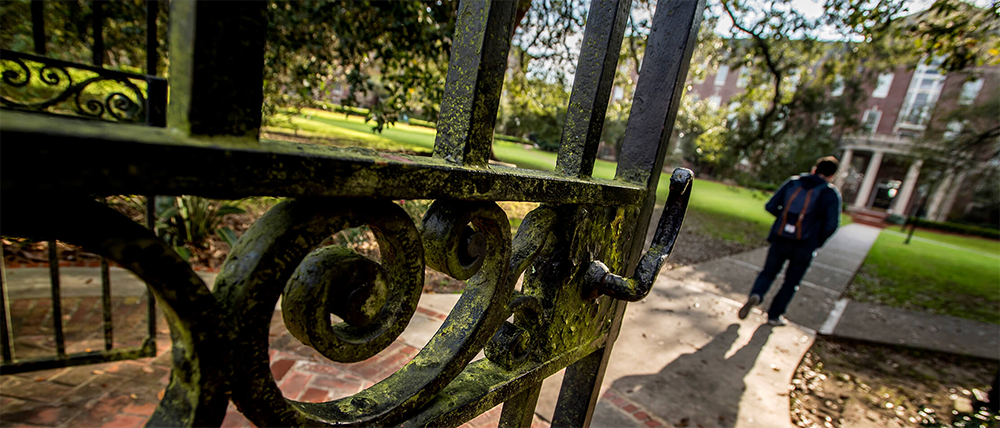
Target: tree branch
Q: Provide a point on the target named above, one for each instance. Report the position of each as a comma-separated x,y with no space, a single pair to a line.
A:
772,66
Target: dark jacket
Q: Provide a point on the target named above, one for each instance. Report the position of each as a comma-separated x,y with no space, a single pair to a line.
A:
827,210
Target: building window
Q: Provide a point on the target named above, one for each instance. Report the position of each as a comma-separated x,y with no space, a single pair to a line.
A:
744,78
882,88
869,123
720,76
921,96
918,109
838,86
970,90
715,101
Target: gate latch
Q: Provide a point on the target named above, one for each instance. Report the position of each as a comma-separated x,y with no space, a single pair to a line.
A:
633,289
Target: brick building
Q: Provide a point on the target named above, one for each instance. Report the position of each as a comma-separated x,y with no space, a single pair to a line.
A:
878,170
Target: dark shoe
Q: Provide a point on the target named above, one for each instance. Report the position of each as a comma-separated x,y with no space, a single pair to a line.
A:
777,322
752,301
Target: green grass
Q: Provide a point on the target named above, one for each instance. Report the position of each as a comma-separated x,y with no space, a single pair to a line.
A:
412,136
934,278
320,132
983,245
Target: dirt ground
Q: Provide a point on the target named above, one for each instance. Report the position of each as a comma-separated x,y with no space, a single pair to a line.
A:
852,384
696,245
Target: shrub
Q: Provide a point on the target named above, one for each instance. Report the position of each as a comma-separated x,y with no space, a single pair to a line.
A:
191,220
895,219
957,228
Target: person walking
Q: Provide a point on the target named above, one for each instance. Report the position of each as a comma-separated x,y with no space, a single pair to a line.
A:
807,211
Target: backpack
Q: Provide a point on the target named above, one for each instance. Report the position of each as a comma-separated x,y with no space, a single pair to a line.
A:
798,218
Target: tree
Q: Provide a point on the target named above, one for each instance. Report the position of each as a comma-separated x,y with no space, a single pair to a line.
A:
965,36
533,108
395,50
783,118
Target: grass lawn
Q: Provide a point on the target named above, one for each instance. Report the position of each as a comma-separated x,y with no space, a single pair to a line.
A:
731,212
960,278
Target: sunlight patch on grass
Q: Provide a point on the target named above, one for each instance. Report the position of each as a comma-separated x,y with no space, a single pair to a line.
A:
929,277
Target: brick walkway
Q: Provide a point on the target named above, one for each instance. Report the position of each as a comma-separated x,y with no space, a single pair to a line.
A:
124,394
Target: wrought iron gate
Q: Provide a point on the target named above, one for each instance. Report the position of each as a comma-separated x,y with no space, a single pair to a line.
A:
580,252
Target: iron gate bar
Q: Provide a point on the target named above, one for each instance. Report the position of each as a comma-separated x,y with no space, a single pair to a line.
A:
230,170
6,346
16,366
104,72
666,61
38,26
212,150
57,321
154,102
658,92
519,410
150,298
595,75
152,43
106,304
217,78
475,77
483,385
97,23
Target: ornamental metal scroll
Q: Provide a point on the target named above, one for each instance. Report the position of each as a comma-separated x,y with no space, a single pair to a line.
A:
221,337
39,84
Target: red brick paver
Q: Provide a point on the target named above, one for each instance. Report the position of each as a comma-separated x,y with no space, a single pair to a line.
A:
126,393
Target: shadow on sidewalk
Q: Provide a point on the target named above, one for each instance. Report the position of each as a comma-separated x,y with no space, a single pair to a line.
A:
703,388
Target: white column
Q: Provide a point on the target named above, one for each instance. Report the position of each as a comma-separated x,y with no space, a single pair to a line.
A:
869,182
949,201
938,197
901,202
845,168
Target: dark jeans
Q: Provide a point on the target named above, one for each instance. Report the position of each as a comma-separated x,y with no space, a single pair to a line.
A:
798,259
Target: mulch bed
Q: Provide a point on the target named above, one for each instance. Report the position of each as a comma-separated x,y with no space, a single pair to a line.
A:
842,383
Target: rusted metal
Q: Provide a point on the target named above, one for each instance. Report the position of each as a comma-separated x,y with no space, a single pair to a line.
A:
57,319
38,26
97,27
595,74
226,170
152,43
150,216
127,102
6,344
634,289
658,91
216,78
197,393
561,318
109,338
475,76
519,410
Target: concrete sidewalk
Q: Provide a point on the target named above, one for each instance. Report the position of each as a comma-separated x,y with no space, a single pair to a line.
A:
827,279
685,359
